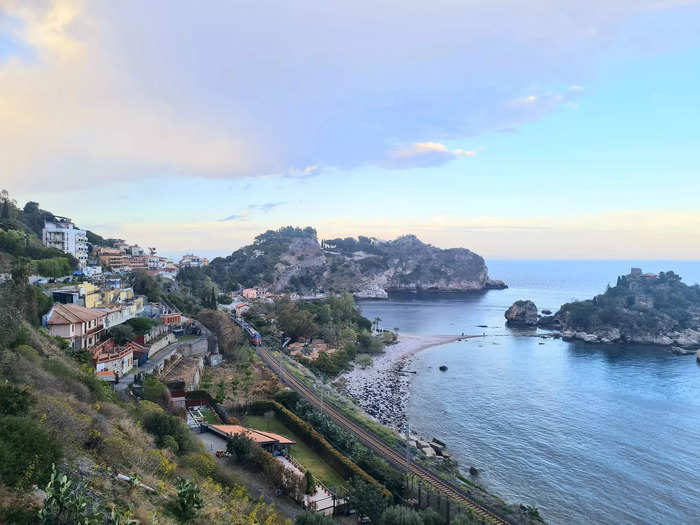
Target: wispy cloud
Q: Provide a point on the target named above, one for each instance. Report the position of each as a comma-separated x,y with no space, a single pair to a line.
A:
423,155
236,217
267,206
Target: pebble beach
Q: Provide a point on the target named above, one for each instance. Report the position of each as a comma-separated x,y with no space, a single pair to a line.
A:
382,389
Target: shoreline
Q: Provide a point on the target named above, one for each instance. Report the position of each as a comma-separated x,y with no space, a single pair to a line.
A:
382,390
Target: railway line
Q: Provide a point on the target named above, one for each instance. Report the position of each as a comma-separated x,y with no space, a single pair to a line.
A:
378,445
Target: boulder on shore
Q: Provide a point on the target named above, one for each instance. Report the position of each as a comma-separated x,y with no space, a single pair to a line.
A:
522,313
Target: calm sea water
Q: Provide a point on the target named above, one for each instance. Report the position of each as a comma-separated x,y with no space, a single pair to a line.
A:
587,433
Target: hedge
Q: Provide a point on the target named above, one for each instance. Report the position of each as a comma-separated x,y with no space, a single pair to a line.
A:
316,441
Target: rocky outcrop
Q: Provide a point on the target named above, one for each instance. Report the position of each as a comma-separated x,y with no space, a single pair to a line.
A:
645,309
522,313
292,260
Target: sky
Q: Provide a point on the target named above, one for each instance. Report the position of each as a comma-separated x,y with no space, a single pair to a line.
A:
516,129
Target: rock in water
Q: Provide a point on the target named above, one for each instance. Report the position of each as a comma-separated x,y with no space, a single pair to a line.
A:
473,471
443,368
697,356
522,313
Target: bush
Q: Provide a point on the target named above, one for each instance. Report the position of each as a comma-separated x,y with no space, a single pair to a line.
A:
240,447
398,515
156,392
27,452
14,401
163,426
189,501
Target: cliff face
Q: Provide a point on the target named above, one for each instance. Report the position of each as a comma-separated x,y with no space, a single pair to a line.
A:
640,309
292,260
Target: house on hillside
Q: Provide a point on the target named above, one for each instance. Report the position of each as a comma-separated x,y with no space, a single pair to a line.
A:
109,357
82,326
273,443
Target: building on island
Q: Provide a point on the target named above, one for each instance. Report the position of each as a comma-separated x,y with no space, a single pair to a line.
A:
81,326
62,234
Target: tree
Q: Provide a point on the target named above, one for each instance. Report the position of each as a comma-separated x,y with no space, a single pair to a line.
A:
398,515
189,501
122,333
5,214
145,284
240,447
220,392
366,498
310,482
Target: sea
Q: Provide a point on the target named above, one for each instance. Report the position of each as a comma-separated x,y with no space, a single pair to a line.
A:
589,434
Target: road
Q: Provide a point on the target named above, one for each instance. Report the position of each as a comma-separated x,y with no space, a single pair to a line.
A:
378,445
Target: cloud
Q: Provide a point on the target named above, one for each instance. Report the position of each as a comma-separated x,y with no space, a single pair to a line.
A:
104,96
424,154
305,173
237,217
267,206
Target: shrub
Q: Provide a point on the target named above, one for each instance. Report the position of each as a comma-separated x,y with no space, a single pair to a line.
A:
163,426
189,501
156,392
240,447
202,463
14,401
27,452
398,515
67,503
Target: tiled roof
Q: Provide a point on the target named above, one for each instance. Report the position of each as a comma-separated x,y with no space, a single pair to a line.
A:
72,313
260,437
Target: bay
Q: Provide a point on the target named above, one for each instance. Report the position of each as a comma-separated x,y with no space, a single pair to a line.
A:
587,433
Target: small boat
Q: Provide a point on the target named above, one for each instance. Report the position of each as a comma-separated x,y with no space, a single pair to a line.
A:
443,368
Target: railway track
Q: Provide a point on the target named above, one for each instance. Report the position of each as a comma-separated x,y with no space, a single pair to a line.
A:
378,445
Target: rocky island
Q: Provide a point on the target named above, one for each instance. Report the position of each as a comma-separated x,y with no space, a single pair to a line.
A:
642,308
293,260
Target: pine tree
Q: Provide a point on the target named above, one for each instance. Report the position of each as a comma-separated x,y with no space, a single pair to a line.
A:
5,210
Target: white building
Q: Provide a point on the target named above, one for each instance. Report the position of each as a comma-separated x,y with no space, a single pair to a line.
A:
193,261
63,235
92,271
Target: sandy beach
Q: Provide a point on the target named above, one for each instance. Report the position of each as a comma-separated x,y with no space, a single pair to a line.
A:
382,389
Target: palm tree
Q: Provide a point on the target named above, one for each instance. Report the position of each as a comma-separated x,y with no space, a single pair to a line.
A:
377,320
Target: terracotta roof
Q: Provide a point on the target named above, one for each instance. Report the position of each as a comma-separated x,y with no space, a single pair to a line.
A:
106,373
72,313
260,437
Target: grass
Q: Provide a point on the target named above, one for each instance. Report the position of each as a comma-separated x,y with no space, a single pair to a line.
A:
209,416
301,452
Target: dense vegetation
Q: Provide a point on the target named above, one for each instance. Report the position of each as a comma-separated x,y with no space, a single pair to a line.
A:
254,264
336,320
637,304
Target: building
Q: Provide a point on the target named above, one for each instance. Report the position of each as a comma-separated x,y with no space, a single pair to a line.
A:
157,338
171,319
109,357
193,261
267,440
253,293
112,258
92,271
63,235
81,326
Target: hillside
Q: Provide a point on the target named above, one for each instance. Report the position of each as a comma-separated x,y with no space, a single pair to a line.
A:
293,260
640,308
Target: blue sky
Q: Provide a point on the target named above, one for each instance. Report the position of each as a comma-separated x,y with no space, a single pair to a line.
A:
538,131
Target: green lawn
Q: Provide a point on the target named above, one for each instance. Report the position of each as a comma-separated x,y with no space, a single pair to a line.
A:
210,416
301,452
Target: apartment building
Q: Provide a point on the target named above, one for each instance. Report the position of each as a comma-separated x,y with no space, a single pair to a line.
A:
62,234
